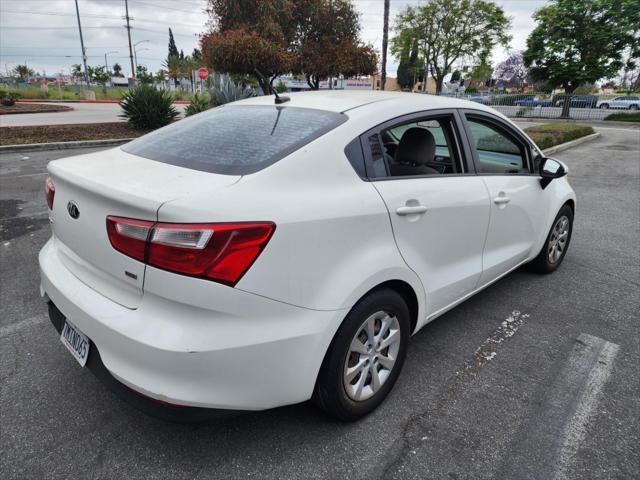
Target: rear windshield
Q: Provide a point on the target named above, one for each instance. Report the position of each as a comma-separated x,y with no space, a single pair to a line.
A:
235,140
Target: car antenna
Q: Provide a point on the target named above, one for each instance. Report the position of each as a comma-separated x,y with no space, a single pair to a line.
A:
279,99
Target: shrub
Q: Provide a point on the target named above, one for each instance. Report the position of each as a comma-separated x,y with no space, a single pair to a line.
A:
547,136
199,104
144,107
230,92
624,117
281,87
8,99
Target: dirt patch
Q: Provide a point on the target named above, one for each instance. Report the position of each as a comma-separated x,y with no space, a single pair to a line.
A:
67,133
32,108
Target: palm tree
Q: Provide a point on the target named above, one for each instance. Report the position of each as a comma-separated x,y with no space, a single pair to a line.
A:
174,67
24,72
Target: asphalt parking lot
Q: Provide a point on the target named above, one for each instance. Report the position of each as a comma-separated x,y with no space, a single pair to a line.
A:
536,377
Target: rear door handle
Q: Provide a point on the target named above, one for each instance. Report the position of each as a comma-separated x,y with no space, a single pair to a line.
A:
413,210
501,200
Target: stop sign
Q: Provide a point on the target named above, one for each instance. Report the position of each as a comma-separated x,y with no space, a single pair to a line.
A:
203,73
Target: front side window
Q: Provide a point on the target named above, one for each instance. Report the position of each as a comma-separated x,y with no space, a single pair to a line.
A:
415,148
235,140
498,152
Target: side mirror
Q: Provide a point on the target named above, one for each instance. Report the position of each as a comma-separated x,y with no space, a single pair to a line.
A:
550,168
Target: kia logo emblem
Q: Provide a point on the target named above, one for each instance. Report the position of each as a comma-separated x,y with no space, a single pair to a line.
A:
72,208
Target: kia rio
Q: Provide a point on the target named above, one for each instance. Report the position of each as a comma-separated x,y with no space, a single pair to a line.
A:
261,254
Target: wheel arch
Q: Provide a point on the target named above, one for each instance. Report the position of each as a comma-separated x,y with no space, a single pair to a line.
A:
407,292
572,205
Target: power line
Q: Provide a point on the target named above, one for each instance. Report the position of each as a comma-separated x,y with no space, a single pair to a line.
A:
109,17
163,6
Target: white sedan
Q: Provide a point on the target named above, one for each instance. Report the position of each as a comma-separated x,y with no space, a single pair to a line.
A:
259,255
628,102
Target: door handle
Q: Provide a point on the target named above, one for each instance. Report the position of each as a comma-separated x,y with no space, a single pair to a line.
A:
501,200
413,210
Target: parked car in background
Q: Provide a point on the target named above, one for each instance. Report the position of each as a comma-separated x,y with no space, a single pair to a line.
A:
533,102
481,99
577,101
629,102
258,255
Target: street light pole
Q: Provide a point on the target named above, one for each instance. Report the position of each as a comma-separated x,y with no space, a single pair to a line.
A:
84,52
106,63
135,52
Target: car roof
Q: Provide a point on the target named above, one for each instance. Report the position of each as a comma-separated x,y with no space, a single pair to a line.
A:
345,100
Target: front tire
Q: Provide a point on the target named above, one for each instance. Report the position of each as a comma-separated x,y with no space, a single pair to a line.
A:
604,106
557,243
365,357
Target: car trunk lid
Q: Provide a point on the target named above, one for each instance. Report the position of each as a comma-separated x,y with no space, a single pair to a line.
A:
88,188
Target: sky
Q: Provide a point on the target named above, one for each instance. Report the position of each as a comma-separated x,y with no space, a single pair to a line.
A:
44,33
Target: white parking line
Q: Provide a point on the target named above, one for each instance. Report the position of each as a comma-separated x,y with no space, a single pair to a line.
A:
586,402
17,326
546,447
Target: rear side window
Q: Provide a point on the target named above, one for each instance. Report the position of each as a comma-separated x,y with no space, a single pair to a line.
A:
235,140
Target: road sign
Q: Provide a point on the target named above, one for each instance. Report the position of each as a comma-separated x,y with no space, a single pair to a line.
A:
203,73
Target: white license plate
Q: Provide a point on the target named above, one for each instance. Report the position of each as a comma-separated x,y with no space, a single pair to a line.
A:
76,342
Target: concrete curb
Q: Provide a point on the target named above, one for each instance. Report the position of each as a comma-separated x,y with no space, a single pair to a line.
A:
63,145
55,110
593,123
571,144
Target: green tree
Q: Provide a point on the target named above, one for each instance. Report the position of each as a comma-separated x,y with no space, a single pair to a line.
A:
174,68
327,42
76,69
24,72
404,76
317,38
98,74
448,30
117,70
581,41
173,50
482,70
143,75
250,37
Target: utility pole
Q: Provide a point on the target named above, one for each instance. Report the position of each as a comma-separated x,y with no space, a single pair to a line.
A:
330,76
128,27
84,52
385,40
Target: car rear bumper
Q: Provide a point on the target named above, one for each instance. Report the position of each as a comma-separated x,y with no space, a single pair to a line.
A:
252,354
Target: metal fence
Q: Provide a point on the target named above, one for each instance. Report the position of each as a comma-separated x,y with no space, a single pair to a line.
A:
541,105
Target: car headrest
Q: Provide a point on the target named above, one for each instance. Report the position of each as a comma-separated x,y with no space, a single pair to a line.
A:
417,147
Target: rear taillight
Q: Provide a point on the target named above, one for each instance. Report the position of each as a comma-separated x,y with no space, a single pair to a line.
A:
129,236
221,252
50,192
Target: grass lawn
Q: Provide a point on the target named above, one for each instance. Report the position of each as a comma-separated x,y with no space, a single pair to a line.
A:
624,117
552,134
67,133
31,108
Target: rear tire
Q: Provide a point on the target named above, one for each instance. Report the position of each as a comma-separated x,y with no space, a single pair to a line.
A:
346,388
633,107
557,243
